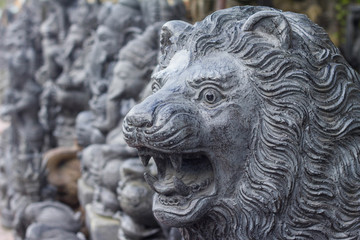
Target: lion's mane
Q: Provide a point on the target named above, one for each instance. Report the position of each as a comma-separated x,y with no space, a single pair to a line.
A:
302,180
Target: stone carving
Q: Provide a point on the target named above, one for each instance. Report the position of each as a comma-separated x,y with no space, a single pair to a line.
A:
254,128
22,142
48,220
70,92
111,35
101,162
132,72
49,72
135,198
65,93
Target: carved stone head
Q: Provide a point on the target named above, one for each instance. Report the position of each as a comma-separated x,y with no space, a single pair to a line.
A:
254,127
116,26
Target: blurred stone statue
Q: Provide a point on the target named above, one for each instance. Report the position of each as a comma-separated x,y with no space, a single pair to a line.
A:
23,141
135,198
49,72
48,220
66,93
112,33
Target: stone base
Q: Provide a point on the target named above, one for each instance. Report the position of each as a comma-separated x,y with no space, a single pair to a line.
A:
99,227
85,193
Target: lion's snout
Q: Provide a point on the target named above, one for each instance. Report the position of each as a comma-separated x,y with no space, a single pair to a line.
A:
162,124
138,118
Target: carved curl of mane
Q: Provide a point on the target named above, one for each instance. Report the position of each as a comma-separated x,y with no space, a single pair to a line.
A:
303,178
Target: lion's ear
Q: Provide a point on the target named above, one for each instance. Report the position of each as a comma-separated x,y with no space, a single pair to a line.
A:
271,25
170,32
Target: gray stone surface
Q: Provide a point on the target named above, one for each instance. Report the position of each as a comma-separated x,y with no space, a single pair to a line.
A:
101,228
85,193
254,126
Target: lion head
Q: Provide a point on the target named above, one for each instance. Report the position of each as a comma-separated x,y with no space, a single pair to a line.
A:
254,127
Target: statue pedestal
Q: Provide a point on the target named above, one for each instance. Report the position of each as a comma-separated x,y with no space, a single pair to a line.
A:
101,228
85,193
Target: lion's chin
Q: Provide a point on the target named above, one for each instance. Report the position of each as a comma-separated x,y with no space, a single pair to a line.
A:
184,185
181,216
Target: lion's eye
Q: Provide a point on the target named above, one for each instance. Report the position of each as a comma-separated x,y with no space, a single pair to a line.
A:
212,96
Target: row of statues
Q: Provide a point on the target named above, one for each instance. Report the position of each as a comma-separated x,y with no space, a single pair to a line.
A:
242,126
75,70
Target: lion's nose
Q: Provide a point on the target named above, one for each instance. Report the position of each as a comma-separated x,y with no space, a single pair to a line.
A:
138,118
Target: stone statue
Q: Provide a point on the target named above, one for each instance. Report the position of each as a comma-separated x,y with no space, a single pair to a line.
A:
135,198
21,104
111,35
254,127
48,220
63,9
49,72
131,74
71,92
66,93
110,101
22,143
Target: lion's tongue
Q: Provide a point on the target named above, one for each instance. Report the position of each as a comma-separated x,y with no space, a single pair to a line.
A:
170,185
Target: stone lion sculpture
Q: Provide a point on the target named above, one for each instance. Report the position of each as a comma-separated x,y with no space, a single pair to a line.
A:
254,126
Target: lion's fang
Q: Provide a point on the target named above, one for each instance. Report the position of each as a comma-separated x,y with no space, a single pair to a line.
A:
150,179
176,162
181,187
145,159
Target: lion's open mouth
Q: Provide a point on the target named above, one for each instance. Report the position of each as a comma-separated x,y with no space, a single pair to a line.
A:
180,178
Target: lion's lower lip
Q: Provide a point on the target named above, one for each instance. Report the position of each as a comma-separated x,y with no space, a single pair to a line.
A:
180,176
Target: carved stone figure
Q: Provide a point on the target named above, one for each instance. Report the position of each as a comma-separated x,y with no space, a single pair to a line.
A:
135,198
49,72
120,89
48,220
23,148
131,74
66,93
22,142
111,35
254,127
21,104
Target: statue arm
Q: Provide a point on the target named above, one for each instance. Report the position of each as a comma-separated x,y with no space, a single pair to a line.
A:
24,103
72,99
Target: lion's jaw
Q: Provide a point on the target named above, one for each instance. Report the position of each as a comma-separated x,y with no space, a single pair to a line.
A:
184,184
200,149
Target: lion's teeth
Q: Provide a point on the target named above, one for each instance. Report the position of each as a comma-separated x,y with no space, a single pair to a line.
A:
145,159
161,166
150,179
176,162
181,187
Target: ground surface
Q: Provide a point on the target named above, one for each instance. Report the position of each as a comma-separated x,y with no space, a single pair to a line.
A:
6,234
